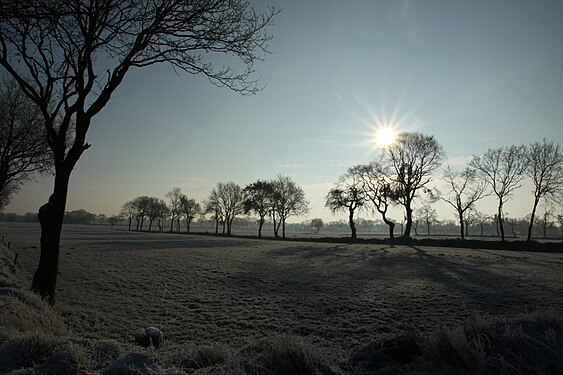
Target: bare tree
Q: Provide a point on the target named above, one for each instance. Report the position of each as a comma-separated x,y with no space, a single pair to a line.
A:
128,212
141,207
213,207
174,198
289,200
464,189
378,189
545,168
481,219
259,198
229,197
69,57
413,158
502,168
428,215
156,208
317,223
347,195
190,209
23,146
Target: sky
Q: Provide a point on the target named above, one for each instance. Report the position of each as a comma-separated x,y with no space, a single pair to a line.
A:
474,74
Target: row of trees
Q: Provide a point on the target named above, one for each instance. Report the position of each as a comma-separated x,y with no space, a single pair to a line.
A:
144,208
277,199
404,170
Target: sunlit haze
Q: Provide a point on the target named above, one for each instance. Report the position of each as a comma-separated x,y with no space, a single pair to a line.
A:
342,79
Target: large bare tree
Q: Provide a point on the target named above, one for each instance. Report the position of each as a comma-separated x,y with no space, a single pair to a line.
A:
347,195
259,199
413,159
69,57
378,189
464,189
503,169
174,198
229,198
23,146
545,169
288,200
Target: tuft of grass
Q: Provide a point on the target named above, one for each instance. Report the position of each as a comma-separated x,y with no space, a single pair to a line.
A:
277,355
532,345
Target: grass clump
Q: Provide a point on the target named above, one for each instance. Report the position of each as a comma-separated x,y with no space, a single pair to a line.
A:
272,356
532,345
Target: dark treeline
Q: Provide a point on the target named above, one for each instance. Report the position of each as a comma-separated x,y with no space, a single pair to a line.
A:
71,217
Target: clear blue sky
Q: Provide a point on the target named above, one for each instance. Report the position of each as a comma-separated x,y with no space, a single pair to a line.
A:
475,74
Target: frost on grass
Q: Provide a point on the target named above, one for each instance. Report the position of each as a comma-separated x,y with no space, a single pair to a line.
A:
35,338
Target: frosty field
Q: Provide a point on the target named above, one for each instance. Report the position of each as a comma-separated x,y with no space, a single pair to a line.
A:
203,289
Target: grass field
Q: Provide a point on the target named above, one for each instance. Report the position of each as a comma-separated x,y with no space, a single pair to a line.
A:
232,292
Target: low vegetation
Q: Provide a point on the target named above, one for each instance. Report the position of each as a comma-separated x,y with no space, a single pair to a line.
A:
38,338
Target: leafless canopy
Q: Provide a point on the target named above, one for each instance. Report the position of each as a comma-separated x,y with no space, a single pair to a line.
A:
545,168
413,159
464,188
70,55
502,168
23,148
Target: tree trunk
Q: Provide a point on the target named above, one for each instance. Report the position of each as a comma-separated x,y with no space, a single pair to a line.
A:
531,226
351,223
391,227
501,226
408,225
172,223
130,221
461,225
276,226
51,219
260,225
150,224
283,227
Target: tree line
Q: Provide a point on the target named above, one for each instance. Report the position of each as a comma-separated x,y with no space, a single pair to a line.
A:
402,173
276,199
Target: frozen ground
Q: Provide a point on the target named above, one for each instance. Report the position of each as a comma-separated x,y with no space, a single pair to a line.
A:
204,290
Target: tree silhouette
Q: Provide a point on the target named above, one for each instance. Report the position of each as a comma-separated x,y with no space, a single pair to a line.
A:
347,195
464,189
69,57
190,209
156,208
545,168
23,146
288,200
502,168
413,158
378,189
317,224
259,198
229,198
174,198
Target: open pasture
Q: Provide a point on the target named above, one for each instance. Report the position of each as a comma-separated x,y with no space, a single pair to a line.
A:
203,290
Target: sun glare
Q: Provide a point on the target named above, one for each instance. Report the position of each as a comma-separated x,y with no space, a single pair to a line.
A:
385,136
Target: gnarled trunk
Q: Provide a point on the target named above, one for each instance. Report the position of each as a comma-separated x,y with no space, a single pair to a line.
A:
352,224
408,225
531,226
51,219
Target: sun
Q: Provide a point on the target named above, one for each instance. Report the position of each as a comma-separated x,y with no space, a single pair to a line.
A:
385,136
